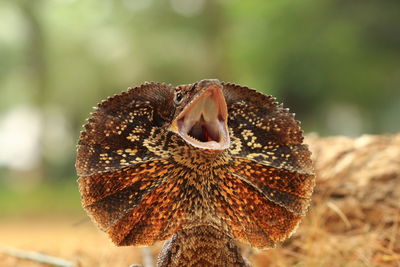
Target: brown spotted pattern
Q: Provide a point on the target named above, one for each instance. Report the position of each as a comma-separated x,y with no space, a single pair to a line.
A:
183,249
141,183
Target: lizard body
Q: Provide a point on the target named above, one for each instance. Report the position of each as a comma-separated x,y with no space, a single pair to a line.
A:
206,163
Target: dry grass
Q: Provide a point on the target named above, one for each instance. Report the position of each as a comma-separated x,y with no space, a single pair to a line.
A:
354,219
82,244
355,215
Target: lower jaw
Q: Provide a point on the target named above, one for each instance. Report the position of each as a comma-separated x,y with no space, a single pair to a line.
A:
221,144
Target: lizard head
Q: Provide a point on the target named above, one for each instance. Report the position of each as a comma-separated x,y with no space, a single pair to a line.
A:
201,115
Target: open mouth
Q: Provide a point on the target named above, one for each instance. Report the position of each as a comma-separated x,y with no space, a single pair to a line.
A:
203,122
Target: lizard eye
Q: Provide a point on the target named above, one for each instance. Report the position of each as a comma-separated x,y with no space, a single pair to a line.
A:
178,98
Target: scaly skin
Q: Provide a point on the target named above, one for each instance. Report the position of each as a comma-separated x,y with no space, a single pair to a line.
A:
141,182
200,245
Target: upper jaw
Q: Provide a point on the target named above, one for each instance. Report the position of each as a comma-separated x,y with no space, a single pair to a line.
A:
203,122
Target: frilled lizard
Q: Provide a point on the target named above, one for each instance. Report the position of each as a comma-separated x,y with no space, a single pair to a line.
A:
209,164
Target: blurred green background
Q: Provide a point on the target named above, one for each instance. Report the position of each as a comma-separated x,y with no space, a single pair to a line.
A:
335,63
